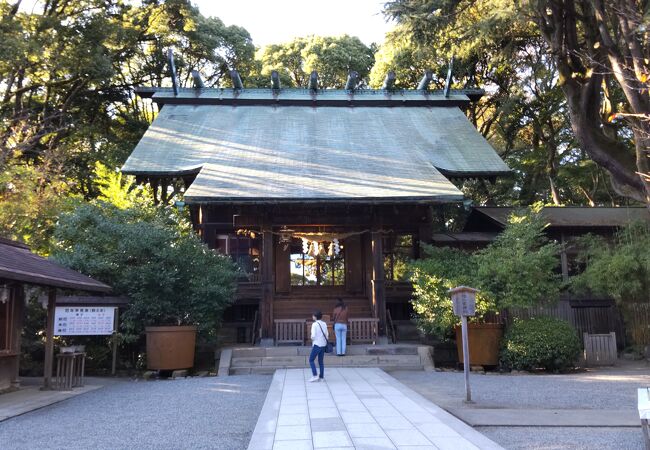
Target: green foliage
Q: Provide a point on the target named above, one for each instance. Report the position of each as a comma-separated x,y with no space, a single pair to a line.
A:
519,268
30,200
432,277
542,342
151,256
618,269
516,270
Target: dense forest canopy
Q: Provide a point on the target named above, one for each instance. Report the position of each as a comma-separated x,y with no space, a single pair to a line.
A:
566,105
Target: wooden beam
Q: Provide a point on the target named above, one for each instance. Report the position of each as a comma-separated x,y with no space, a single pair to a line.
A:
49,340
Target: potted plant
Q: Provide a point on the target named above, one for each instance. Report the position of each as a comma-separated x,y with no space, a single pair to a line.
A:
516,270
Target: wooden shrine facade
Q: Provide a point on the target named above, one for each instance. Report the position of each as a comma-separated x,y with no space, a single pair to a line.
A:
268,242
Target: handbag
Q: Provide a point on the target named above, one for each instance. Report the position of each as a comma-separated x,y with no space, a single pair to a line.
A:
329,347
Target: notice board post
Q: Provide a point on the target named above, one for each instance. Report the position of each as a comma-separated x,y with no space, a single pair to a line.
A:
463,299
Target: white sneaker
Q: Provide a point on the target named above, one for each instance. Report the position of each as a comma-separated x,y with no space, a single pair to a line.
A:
312,379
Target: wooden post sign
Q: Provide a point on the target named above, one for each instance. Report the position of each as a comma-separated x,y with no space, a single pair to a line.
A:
463,299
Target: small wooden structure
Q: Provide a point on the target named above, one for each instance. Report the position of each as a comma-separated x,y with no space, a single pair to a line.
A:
600,349
20,267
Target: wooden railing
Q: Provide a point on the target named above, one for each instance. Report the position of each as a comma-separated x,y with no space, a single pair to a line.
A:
289,331
363,330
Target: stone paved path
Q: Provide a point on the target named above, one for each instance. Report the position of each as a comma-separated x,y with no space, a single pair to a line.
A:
361,408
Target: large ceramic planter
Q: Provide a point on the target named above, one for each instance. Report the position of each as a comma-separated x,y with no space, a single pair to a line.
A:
484,343
170,348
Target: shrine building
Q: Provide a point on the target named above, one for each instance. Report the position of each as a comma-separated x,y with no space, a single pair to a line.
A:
316,194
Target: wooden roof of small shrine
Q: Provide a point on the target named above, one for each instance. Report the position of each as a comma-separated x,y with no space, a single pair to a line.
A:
494,217
18,263
294,145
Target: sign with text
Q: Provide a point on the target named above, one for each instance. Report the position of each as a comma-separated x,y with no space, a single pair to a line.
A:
83,320
464,301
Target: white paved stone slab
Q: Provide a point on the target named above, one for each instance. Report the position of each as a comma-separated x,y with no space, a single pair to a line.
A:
356,408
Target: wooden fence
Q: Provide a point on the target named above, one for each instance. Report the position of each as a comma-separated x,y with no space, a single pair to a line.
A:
586,316
637,322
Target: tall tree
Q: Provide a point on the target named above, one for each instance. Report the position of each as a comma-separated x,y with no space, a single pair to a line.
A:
67,73
599,50
602,51
331,57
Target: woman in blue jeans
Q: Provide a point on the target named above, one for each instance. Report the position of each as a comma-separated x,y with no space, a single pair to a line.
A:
340,318
319,335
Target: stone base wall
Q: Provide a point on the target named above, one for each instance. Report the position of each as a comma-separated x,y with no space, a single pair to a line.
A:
8,371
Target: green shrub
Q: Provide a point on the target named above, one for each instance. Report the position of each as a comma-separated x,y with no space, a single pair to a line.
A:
542,342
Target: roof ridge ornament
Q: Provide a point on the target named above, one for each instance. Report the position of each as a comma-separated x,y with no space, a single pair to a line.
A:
353,80
313,81
172,70
389,81
198,82
236,80
275,80
448,82
423,85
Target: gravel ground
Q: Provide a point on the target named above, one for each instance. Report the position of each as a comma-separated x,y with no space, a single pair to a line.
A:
611,388
606,388
187,413
547,438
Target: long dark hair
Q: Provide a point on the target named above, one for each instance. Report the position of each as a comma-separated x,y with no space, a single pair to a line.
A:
340,302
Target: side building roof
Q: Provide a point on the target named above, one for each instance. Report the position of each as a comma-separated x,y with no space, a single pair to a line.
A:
490,218
18,263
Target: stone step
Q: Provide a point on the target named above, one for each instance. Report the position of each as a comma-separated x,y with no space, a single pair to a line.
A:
303,361
247,352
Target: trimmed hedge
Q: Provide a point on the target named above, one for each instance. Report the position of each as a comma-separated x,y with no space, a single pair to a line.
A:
542,342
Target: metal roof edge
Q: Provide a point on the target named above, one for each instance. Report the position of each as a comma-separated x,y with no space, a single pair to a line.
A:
356,200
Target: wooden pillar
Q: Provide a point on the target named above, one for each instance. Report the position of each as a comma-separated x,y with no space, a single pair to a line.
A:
17,299
425,231
378,288
266,304
49,340
116,322
563,258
